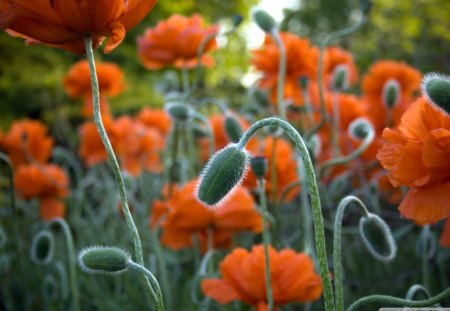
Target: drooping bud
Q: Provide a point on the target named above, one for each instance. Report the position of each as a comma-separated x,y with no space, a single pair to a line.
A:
260,97
304,82
223,172
199,131
177,110
237,20
107,260
233,128
436,88
42,247
359,128
341,78
377,237
259,166
50,288
391,93
264,20
366,6
315,145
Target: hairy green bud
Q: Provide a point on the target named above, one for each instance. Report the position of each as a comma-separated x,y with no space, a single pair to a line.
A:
259,166
341,78
359,128
233,128
107,260
177,110
391,93
377,237
42,247
264,20
436,88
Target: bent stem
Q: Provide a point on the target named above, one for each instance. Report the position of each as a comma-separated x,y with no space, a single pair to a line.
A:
337,246
315,198
263,203
72,260
113,161
281,74
157,296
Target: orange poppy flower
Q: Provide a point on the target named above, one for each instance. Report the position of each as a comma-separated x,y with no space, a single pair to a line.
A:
50,208
334,57
64,23
27,141
301,61
379,74
40,181
186,218
157,119
175,42
285,166
416,155
243,278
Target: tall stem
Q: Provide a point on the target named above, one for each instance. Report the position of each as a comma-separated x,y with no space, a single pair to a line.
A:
315,199
113,161
263,203
72,261
281,74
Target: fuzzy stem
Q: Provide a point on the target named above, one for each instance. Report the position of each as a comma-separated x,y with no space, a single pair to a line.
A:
263,203
113,160
72,260
388,301
281,74
315,198
337,246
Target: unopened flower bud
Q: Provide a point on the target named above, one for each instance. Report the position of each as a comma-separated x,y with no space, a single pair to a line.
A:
199,131
233,128
260,97
359,128
304,82
50,288
103,260
377,237
177,110
42,247
259,166
237,20
264,20
366,6
223,172
436,88
341,78
391,93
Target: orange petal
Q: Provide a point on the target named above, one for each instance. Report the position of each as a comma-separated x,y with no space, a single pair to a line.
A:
219,290
445,237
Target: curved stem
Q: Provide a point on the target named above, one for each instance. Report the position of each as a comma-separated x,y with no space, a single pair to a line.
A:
286,190
209,131
214,101
337,246
351,156
389,301
413,290
162,267
157,296
281,74
113,160
315,198
327,40
200,51
263,203
72,261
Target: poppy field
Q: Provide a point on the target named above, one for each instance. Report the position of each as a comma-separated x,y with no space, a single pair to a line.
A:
162,162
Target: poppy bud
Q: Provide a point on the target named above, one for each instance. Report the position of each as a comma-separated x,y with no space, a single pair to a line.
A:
259,166
304,82
199,131
436,88
232,128
177,110
260,97
50,288
391,93
341,78
359,128
103,260
264,20
223,172
377,237
237,20
315,145
42,247
366,6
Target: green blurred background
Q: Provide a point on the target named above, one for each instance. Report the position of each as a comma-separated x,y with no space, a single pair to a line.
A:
415,31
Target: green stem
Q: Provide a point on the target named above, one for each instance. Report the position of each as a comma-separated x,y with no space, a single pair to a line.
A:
174,156
337,246
315,198
263,203
335,131
281,74
209,131
417,288
185,79
162,267
72,260
157,296
326,41
113,160
389,301
308,244
200,51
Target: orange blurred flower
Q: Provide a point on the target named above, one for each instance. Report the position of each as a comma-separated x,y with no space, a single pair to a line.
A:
185,218
445,236
50,208
417,156
27,141
285,166
374,82
157,119
292,274
41,181
64,23
301,61
175,42
335,57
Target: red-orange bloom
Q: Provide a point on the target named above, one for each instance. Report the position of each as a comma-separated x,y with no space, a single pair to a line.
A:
301,61
27,141
335,57
64,23
374,81
445,237
50,208
186,219
175,42
157,119
292,274
417,155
